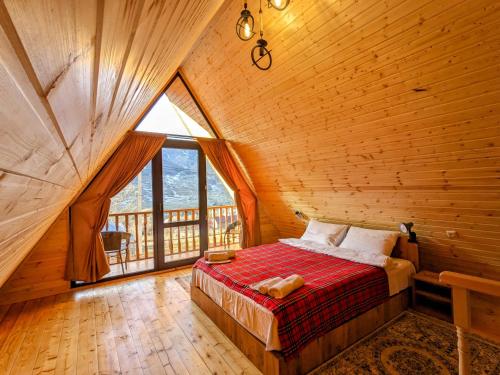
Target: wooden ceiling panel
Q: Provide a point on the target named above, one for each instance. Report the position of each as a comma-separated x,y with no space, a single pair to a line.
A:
154,56
30,145
75,75
373,113
58,38
116,38
32,150
9,228
31,195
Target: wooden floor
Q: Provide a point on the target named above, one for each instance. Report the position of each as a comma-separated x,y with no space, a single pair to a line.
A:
135,266
147,325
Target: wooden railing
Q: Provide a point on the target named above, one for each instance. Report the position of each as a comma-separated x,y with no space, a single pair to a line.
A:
461,286
177,240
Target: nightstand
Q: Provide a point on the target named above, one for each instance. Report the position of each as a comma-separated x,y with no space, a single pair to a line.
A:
432,297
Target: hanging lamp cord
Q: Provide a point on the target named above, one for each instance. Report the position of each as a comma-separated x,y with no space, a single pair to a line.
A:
261,20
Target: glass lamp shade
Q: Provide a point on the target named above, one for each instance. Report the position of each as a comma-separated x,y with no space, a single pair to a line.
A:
278,4
405,227
245,25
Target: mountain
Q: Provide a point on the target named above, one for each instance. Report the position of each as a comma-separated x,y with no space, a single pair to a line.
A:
180,185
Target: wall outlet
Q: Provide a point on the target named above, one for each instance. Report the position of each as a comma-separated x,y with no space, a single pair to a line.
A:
451,233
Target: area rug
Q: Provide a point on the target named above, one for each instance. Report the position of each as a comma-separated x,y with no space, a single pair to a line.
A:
184,282
412,343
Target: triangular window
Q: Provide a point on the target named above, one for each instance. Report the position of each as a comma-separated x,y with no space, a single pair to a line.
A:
177,113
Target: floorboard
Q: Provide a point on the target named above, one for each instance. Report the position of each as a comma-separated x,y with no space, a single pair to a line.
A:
146,325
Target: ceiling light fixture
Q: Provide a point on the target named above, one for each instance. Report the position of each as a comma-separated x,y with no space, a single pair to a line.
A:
245,24
261,56
278,4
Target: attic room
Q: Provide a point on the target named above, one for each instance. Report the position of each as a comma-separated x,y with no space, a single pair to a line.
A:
249,187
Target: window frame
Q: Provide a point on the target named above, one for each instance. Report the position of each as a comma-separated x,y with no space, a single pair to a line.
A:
178,75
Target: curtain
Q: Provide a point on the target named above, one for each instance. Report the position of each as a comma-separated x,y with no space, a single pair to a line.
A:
86,258
220,157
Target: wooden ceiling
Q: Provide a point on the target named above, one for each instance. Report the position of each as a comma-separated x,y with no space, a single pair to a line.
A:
374,112
74,76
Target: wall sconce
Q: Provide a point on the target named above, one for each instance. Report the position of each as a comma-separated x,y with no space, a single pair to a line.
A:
301,216
406,228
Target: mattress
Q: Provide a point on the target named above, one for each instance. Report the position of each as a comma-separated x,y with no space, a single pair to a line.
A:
259,320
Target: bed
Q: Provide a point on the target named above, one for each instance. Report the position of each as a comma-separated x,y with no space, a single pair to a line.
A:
342,301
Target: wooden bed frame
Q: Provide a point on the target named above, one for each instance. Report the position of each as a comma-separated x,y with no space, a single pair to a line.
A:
321,349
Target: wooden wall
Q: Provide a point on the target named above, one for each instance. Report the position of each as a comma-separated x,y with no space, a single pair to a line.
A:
268,231
74,76
374,112
42,271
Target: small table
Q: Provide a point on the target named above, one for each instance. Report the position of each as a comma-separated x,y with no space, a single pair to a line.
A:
432,297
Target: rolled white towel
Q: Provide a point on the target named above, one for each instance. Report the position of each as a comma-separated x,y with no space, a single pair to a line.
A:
264,285
264,288
286,286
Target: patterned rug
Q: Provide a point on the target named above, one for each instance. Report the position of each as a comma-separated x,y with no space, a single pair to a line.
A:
412,343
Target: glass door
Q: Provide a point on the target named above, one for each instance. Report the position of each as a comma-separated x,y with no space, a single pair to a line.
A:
180,203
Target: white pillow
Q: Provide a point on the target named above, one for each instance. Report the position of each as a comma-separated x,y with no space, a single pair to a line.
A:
371,240
324,233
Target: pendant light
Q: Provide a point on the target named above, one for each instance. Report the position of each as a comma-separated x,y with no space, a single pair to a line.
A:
261,56
278,4
245,24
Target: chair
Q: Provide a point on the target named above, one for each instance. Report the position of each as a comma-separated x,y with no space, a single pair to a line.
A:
232,228
113,245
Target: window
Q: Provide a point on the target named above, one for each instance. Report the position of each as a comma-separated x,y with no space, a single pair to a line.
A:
177,113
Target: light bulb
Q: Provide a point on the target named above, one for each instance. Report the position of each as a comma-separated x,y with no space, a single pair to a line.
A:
248,30
278,4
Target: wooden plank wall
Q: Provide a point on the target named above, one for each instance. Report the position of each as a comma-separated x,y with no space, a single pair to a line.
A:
373,113
269,233
42,271
74,76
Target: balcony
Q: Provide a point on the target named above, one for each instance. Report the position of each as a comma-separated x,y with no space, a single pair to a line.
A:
179,242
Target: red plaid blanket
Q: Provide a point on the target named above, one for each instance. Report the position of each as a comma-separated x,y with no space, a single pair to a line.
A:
335,290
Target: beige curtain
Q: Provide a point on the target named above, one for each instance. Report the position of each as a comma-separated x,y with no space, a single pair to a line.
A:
86,258
220,157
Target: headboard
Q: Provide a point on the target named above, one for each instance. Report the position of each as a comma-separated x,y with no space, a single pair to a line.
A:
407,250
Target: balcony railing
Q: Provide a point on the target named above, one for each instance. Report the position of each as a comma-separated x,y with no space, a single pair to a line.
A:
177,240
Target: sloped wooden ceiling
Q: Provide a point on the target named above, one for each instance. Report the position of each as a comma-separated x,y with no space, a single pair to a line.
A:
74,76
374,112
